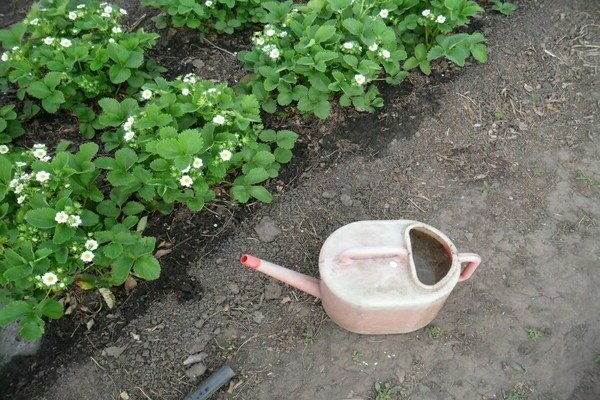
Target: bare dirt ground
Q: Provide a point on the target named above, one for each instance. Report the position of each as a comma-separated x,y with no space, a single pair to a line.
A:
505,160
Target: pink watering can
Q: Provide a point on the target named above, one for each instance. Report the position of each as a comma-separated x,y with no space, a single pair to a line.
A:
381,277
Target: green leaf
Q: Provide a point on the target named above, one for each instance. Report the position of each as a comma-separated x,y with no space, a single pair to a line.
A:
39,90
125,158
147,267
118,74
41,218
353,26
113,250
13,311
410,63
135,59
169,148
191,141
263,158
32,327
261,194
479,52
62,233
282,156
108,208
120,269
286,139
133,207
321,109
256,175
324,33
51,308
240,193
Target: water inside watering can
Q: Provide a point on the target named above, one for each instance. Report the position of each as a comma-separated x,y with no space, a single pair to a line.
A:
432,261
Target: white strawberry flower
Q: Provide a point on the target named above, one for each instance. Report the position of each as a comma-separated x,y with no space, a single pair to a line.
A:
39,146
189,78
72,16
34,22
186,169
61,217
108,9
74,220
270,32
129,123
91,244
426,13
259,41
4,57
274,54
3,149
19,188
185,91
123,11
49,279
64,42
42,176
198,163
225,155
186,181
87,256
218,119
374,47
146,94
360,79
348,45
105,15
117,29
283,34
208,3
48,40
21,199
384,13
128,136
80,6
385,53
13,183
440,19
39,153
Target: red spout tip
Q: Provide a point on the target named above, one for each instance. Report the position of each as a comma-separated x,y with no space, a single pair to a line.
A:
250,261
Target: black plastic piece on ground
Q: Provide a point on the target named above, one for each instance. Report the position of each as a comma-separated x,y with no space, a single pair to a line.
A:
212,384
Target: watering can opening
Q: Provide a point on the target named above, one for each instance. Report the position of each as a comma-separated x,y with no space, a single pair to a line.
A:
430,255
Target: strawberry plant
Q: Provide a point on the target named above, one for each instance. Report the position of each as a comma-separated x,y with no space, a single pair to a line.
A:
189,137
221,15
307,53
54,235
10,127
66,53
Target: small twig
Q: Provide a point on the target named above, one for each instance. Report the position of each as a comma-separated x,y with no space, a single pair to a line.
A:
140,389
220,48
247,340
139,21
97,364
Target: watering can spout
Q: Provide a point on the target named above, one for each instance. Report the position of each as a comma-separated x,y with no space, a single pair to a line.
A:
300,281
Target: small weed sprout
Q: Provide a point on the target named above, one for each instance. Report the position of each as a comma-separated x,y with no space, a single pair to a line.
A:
386,391
503,7
434,332
534,334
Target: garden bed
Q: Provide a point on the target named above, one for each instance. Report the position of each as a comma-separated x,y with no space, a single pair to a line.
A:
445,152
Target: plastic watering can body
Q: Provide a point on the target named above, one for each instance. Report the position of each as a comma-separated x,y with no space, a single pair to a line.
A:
381,277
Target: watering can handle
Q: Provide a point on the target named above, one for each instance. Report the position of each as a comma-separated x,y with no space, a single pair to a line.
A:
473,261
362,253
